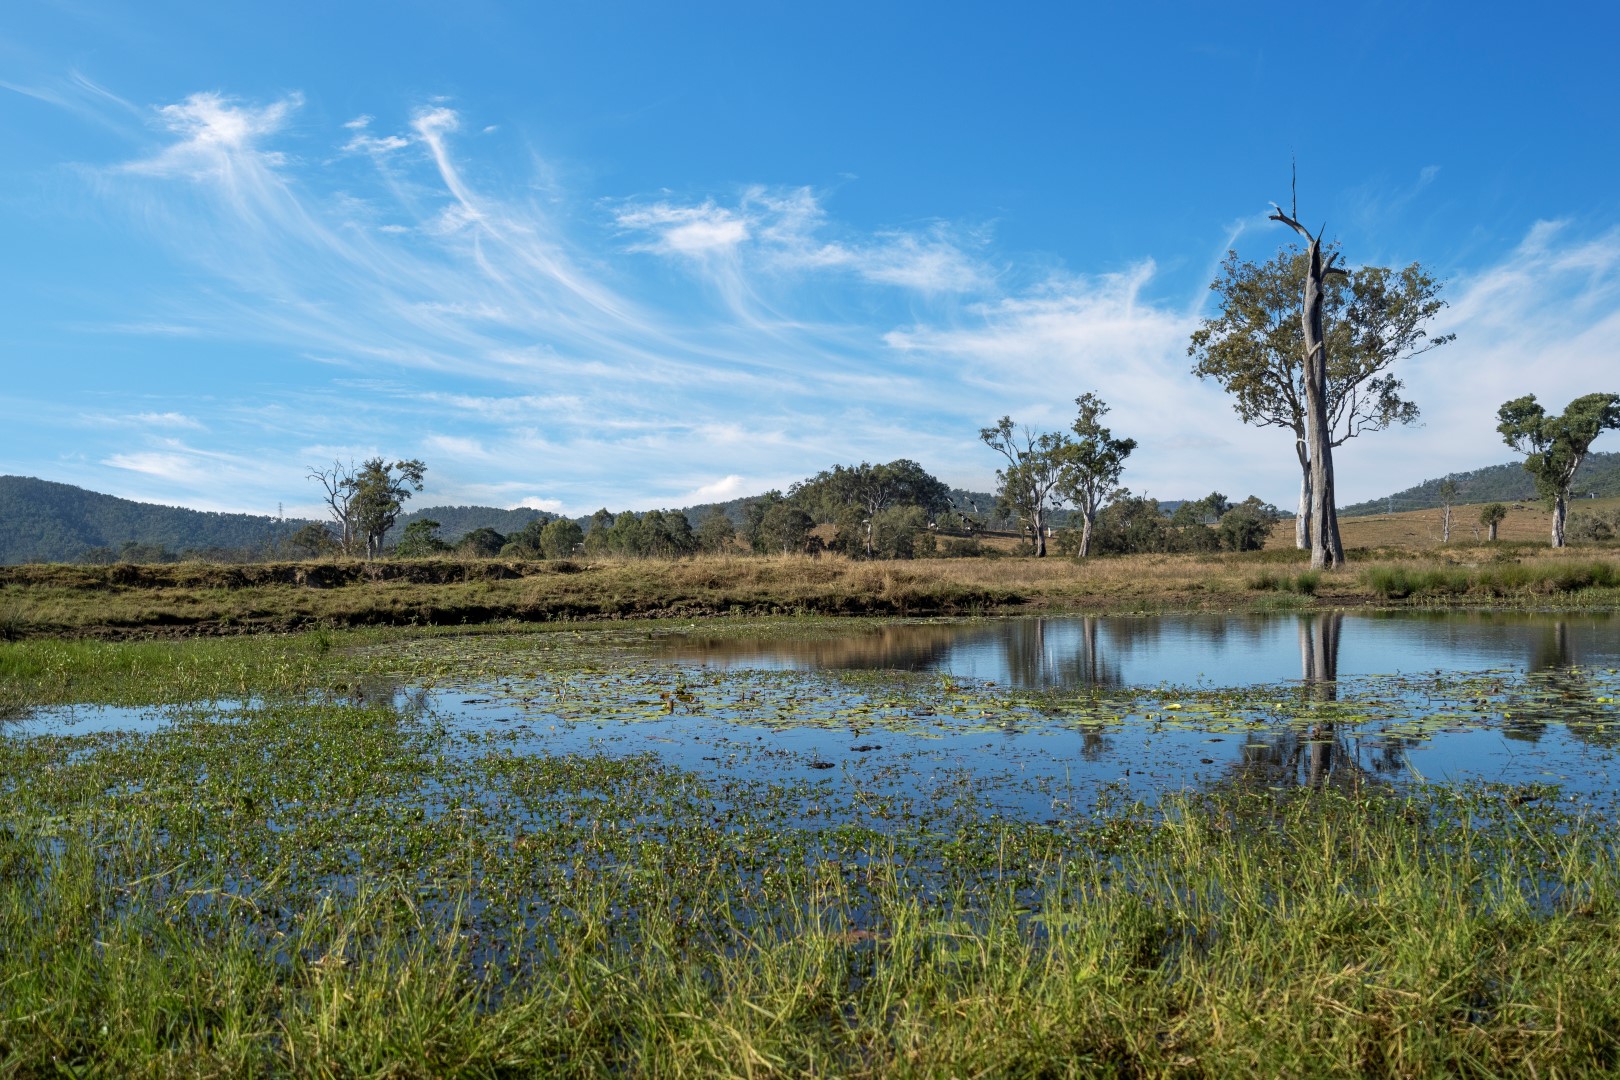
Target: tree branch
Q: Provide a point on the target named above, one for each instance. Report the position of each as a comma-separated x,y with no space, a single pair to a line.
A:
1290,222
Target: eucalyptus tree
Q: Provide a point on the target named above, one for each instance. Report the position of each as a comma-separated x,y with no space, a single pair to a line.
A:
420,540
377,496
716,533
785,527
1352,326
1555,446
856,495
559,537
1447,494
1092,466
1037,467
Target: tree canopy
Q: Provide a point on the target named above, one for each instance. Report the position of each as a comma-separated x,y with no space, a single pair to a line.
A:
377,496
854,496
1092,465
1254,347
1554,446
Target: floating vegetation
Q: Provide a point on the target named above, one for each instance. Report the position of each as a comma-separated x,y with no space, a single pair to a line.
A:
586,854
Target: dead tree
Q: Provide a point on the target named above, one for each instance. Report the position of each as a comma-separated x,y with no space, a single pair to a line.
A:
339,485
1327,550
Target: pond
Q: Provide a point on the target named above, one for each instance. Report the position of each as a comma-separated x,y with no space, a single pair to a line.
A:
1182,650
1030,718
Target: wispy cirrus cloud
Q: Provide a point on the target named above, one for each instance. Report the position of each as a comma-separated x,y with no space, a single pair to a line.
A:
166,420
412,298
785,231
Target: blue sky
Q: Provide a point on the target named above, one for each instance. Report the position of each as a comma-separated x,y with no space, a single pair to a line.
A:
652,254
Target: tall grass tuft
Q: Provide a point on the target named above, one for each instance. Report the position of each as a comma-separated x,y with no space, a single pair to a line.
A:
1493,580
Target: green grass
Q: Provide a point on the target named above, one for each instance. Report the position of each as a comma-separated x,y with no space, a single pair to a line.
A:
52,671
1304,583
605,917
1510,580
300,886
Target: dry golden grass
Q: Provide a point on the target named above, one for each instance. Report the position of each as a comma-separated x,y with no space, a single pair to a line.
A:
1527,522
207,598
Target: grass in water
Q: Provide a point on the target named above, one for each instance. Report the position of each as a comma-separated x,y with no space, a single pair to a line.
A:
299,886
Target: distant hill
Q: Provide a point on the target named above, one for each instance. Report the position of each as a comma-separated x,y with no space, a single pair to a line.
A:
49,522
1599,475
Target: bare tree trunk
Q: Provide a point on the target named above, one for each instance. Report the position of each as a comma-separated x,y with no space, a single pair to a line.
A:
1493,532
1445,525
1327,551
1302,520
1325,629
1086,520
1038,520
1319,656
1560,509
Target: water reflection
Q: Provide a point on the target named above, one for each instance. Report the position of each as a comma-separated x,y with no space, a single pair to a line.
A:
1179,650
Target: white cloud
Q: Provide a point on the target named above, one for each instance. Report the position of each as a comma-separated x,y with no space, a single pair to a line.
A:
456,447
1542,320
779,230
722,490
214,130
174,467
155,329
692,231
534,502
166,419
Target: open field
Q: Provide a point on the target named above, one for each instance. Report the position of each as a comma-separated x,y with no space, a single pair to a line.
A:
212,599
1526,522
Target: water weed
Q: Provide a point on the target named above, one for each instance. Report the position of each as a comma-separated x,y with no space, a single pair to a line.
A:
309,871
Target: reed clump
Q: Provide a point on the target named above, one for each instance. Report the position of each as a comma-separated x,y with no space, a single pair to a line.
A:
1495,580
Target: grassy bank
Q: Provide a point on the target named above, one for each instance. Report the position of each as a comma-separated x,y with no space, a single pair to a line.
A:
342,890
213,599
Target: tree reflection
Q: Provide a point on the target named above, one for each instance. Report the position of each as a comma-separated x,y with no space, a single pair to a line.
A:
1551,649
1319,659
1558,690
1323,755
1067,652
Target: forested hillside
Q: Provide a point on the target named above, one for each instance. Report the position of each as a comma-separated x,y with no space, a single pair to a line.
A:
50,522
1599,476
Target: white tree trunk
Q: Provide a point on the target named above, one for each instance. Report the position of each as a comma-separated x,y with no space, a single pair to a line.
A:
1560,509
1302,520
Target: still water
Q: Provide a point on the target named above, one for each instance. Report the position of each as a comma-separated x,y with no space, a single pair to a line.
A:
1036,718
1186,650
